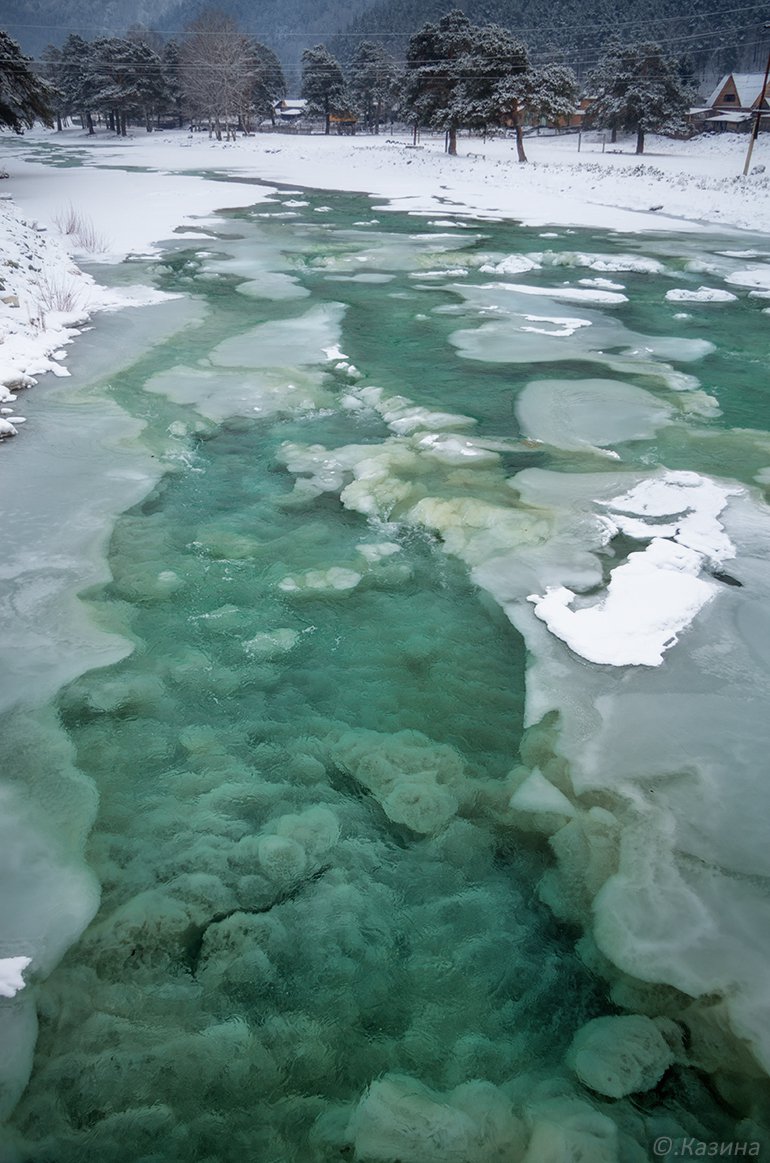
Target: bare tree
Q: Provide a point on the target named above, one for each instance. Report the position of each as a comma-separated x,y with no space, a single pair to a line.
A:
216,64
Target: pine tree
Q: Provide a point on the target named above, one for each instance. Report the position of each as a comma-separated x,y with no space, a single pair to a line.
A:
552,93
494,84
75,81
126,81
323,85
638,89
374,82
265,84
434,73
170,74
24,97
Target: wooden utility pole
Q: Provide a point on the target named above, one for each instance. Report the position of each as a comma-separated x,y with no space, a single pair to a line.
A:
755,129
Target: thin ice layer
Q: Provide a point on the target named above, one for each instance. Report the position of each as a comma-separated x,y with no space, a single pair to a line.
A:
580,414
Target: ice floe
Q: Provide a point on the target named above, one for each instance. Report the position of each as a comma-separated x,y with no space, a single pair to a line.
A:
701,295
656,593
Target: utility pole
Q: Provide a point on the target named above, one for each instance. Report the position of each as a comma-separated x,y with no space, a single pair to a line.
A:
755,130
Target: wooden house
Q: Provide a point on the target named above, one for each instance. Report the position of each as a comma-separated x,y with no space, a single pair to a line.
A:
733,104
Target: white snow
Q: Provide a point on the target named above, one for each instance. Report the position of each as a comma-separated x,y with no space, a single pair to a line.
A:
757,277
702,295
567,294
655,594
11,980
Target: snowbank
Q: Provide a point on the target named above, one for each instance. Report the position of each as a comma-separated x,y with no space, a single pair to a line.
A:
44,300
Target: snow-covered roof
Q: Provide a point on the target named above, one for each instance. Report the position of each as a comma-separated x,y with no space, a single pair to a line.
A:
748,86
730,116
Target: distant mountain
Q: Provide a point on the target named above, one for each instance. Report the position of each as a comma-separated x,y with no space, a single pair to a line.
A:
286,26
712,40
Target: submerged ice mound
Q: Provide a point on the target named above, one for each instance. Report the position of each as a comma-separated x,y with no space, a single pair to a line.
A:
417,782
335,580
400,1120
616,1056
656,593
269,644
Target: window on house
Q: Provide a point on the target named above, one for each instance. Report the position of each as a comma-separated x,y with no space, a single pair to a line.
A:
729,98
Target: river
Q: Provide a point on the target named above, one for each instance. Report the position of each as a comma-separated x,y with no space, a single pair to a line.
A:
387,616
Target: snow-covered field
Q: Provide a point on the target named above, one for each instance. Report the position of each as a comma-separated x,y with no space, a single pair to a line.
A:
693,185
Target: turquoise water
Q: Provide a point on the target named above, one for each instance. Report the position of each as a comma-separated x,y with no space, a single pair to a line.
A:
311,877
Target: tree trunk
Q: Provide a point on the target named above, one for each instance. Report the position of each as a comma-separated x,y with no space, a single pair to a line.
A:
452,147
59,126
520,142
640,141
614,134
90,123
123,125
148,120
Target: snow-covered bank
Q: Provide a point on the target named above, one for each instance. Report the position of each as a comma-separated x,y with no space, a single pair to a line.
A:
45,299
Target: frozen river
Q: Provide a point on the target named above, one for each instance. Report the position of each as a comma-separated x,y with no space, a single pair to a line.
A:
385,672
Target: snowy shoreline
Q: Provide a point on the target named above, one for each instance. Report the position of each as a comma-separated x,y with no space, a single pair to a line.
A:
45,297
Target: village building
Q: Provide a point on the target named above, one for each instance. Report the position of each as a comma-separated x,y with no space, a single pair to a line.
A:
289,111
733,104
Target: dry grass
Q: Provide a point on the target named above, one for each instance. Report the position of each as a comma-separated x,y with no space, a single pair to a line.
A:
81,230
58,291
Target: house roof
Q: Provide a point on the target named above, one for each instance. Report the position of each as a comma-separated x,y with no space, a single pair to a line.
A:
748,86
730,117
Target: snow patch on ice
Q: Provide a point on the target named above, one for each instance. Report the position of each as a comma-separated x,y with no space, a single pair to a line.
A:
702,295
11,980
654,595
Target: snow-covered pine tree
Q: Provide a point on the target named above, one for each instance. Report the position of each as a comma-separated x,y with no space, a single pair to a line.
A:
553,93
323,85
638,88
265,84
24,97
374,81
434,72
493,83
75,81
126,81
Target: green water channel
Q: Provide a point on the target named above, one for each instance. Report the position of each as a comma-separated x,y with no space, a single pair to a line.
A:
270,938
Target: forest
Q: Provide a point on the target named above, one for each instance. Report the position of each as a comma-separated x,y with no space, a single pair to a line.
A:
711,40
